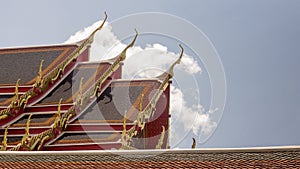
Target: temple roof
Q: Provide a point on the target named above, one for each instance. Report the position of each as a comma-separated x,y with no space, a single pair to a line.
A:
99,111
260,157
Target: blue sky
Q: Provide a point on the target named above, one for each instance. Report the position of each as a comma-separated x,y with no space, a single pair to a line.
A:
258,43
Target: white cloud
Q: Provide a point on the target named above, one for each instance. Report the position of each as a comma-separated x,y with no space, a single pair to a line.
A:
82,34
190,117
190,65
106,45
150,62
104,41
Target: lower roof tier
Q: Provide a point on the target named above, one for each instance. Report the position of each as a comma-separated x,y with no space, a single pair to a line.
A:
120,97
260,157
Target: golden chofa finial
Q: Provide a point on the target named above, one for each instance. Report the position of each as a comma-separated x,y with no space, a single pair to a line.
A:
171,69
194,143
166,76
39,76
91,37
123,54
102,24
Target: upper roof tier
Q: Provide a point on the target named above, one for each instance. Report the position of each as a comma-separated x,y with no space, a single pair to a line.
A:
23,63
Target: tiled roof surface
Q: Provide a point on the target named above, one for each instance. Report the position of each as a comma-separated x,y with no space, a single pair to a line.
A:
70,85
35,120
197,158
24,62
125,96
4,97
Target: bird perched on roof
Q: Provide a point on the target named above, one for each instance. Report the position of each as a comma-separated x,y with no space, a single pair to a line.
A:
194,143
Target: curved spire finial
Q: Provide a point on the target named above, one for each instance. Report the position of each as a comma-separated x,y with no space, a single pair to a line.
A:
123,54
171,69
166,76
90,38
102,24
105,18
194,143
